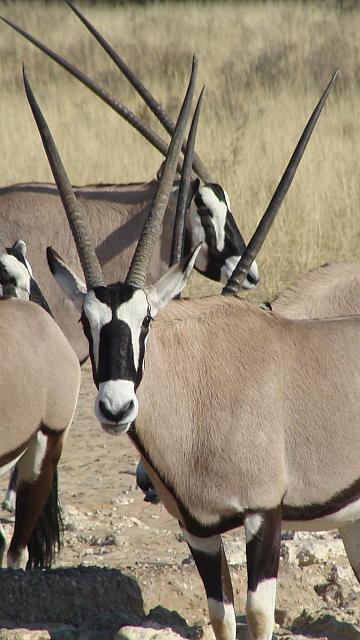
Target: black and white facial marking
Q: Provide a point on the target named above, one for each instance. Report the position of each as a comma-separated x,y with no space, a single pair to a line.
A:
213,224
16,276
116,323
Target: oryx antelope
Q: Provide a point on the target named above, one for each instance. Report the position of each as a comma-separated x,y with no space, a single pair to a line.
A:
116,214
285,451
324,292
17,281
39,384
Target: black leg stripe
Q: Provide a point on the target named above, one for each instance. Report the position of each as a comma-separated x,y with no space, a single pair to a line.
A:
263,550
214,572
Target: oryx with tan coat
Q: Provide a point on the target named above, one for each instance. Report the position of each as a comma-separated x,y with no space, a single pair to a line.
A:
324,292
39,386
241,417
117,213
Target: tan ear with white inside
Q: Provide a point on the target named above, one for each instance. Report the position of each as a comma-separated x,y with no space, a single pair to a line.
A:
73,287
172,283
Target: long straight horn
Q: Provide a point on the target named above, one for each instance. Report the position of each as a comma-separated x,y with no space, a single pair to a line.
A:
151,231
182,203
148,98
88,258
240,272
119,108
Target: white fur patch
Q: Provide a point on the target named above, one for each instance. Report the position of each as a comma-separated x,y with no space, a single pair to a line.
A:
133,313
9,501
210,546
197,235
115,394
18,271
260,606
29,465
229,266
98,314
10,465
219,210
20,561
222,614
252,524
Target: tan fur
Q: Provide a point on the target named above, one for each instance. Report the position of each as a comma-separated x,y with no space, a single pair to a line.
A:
329,291
241,387
116,214
40,375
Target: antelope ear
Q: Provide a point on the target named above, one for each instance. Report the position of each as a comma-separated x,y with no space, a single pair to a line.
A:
173,282
73,287
20,245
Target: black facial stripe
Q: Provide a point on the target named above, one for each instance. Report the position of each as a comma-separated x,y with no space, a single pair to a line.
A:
198,200
116,354
234,242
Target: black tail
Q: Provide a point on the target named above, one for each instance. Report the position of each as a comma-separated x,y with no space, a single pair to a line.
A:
46,539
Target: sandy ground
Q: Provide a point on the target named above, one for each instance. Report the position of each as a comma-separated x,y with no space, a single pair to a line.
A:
109,525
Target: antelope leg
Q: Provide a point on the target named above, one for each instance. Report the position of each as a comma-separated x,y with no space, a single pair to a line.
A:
9,500
212,566
350,534
2,546
35,477
263,535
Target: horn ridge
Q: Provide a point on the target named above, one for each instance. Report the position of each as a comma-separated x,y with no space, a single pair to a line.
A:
147,133
240,272
137,272
182,202
140,88
88,258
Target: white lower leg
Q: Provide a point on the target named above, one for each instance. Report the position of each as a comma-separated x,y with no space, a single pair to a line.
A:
19,561
260,607
222,618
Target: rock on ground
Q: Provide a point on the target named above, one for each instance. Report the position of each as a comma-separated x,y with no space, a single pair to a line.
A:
87,597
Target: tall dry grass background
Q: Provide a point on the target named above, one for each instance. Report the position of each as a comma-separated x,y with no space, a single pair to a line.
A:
264,65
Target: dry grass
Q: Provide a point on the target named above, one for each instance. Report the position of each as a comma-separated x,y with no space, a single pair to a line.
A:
264,65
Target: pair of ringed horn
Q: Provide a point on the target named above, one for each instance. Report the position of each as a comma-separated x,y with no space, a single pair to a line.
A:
92,270
241,270
150,135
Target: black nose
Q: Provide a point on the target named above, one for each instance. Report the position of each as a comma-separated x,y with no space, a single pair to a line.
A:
120,415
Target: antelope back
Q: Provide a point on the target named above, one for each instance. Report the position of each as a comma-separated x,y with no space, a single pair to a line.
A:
325,292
